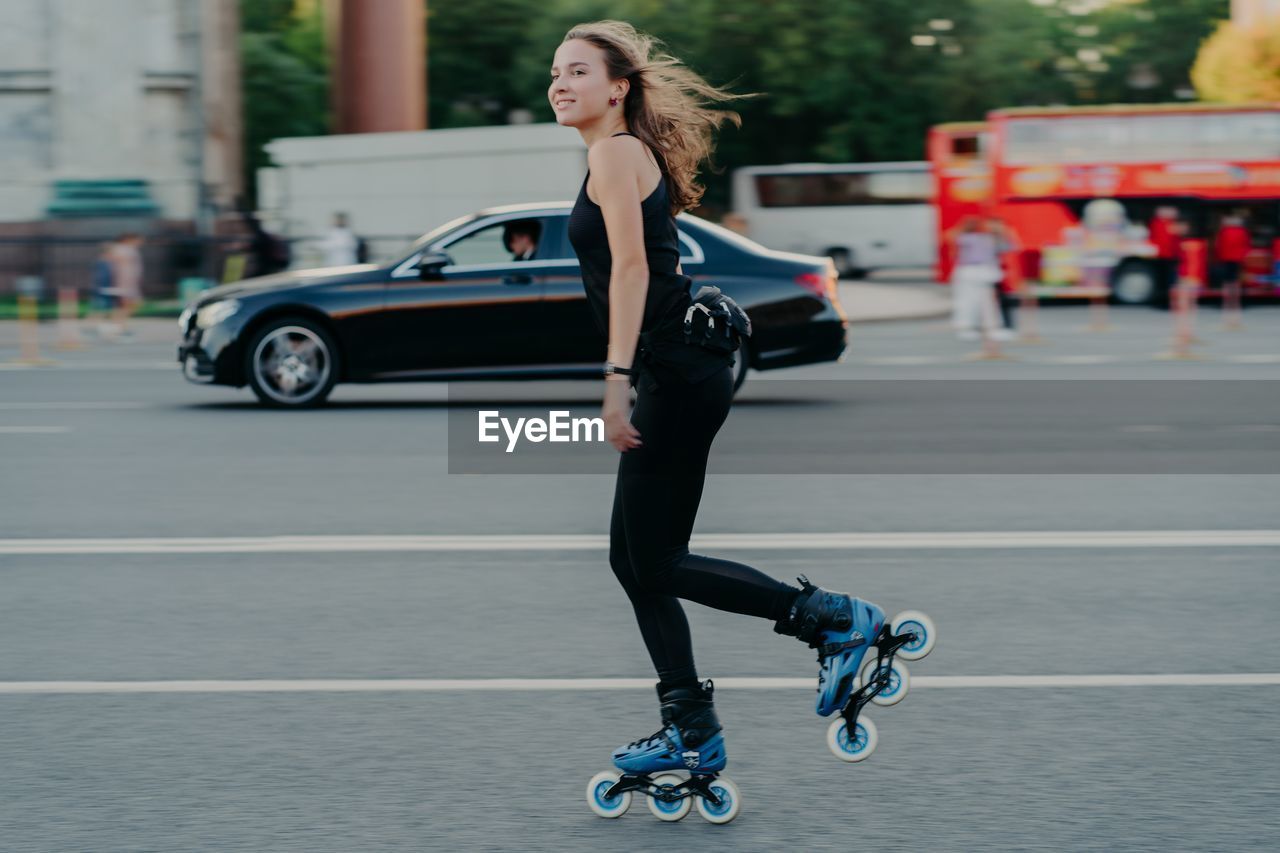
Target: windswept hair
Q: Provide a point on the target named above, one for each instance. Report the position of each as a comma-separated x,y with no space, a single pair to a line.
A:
668,106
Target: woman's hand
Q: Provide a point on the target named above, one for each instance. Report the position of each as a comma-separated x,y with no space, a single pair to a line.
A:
616,413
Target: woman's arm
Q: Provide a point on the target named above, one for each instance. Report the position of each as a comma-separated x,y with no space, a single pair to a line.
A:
614,165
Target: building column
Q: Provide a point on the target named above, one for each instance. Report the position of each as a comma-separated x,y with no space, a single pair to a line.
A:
379,65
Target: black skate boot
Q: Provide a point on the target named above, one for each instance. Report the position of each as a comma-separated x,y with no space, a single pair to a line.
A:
689,739
841,628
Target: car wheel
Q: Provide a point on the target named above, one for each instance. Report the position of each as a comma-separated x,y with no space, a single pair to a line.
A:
843,259
1134,283
740,367
291,362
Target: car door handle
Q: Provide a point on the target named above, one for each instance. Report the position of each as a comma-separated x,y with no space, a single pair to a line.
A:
880,244
520,278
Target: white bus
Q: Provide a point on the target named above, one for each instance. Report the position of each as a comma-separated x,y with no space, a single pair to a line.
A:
864,216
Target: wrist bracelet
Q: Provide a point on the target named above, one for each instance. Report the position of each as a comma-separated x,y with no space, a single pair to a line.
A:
610,369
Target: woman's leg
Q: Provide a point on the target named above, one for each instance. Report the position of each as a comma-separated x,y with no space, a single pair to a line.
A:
663,625
659,490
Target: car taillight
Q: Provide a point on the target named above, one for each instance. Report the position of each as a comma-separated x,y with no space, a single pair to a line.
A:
814,283
821,285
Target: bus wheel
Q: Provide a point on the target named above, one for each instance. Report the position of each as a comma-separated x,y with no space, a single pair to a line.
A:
1134,283
843,259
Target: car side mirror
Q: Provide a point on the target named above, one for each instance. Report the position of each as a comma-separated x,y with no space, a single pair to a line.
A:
431,264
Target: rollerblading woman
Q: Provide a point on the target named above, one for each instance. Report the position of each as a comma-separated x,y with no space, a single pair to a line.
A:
648,125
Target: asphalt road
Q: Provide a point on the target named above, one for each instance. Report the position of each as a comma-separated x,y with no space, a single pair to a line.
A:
114,444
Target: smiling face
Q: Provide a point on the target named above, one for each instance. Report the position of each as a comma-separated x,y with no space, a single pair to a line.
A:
580,86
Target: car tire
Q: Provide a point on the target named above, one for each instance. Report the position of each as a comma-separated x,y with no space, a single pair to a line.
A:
291,363
1134,283
843,259
741,364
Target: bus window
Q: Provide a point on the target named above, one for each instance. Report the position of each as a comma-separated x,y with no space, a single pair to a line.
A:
839,189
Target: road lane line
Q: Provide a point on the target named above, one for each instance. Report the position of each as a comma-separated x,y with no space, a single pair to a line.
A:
34,430
997,540
172,366
69,405
551,685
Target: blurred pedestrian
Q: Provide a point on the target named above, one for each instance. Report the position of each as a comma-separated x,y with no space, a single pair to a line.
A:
125,258
1010,276
103,298
1166,230
1230,248
340,243
974,311
268,252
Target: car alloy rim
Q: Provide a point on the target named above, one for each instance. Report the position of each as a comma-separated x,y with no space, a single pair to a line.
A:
291,364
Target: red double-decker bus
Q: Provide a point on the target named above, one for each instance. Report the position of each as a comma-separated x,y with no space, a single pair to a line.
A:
961,181
1079,186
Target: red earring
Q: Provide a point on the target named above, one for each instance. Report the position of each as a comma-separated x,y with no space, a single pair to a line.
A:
613,102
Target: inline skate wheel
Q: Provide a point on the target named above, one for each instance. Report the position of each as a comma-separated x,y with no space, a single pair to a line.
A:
610,807
918,624
730,801
899,682
851,749
669,811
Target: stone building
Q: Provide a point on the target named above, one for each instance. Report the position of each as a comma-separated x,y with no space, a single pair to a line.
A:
119,115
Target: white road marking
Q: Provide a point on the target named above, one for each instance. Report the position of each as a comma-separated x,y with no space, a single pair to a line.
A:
998,540
33,430
548,685
1252,428
1079,359
1260,358
96,365
903,360
65,405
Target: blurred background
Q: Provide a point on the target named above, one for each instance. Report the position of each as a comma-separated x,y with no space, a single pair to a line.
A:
227,625
194,122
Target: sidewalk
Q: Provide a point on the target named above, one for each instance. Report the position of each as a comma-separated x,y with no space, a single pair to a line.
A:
863,302
146,330
876,302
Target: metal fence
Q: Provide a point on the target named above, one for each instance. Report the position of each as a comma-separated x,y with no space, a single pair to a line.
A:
67,262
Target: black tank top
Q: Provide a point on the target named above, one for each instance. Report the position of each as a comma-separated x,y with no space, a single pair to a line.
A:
668,295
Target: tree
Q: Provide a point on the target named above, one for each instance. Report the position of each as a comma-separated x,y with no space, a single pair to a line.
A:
1239,65
284,75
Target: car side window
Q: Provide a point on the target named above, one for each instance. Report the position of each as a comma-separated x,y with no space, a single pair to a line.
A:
479,247
509,241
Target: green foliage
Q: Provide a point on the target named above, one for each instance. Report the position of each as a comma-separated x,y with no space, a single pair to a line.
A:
284,69
839,79
266,16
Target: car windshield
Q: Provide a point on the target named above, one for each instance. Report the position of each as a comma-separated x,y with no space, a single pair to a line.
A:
435,234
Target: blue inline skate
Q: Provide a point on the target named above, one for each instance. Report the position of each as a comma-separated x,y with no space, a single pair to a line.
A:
690,741
843,629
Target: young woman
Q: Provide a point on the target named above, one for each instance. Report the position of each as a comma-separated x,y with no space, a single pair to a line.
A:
645,120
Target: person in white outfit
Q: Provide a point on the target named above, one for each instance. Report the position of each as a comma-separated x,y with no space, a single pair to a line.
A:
340,244
974,310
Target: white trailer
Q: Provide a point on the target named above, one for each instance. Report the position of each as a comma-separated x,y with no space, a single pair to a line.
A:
864,216
397,186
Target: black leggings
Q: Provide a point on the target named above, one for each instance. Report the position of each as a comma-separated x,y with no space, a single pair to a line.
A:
658,491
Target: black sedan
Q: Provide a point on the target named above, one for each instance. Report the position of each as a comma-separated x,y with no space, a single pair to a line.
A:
461,305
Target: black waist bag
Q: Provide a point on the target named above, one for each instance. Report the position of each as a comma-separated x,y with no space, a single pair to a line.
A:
715,321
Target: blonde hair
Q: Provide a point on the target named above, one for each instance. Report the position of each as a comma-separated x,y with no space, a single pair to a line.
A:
667,106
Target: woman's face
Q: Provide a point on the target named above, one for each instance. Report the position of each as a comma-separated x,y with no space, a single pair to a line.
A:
580,86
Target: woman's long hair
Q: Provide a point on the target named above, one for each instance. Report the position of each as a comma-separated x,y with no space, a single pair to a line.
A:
667,106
